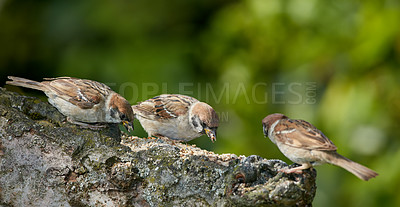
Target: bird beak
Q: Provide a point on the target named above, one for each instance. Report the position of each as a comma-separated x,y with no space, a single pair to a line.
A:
264,131
211,133
128,125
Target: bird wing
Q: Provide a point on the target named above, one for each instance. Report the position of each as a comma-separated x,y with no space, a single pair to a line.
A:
83,93
301,134
166,106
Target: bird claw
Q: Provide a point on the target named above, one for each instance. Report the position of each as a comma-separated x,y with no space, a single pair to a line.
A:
293,170
83,125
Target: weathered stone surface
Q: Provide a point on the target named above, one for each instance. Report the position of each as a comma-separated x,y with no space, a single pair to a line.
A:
45,161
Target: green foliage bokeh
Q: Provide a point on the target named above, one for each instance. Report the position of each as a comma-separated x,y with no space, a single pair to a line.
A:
333,63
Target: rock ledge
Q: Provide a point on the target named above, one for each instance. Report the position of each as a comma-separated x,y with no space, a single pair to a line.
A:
45,161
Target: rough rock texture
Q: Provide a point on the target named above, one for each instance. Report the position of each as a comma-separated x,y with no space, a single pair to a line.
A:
45,161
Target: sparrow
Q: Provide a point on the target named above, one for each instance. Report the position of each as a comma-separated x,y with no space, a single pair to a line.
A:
83,102
177,117
303,143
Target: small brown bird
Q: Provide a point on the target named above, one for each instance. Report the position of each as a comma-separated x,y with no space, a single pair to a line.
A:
304,144
84,102
177,117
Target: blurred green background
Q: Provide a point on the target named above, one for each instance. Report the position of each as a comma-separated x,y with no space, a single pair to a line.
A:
333,63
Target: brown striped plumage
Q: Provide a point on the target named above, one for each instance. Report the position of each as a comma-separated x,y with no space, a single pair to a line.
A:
164,106
82,101
177,116
304,144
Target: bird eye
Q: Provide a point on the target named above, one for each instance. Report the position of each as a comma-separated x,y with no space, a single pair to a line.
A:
123,117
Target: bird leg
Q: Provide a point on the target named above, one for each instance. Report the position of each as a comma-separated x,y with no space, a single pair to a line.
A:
87,125
298,169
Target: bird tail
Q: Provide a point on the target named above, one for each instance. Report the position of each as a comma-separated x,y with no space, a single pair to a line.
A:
16,81
358,170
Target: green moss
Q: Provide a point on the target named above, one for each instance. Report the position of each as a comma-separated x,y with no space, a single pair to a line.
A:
36,116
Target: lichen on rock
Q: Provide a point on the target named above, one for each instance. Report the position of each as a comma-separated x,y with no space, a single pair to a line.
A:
45,161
